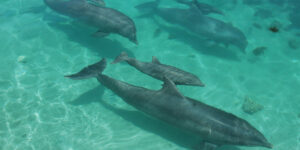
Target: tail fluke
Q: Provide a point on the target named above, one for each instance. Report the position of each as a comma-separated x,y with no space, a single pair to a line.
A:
122,57
90,71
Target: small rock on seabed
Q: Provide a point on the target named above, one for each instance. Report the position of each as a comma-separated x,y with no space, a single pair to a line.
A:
250,106
22,59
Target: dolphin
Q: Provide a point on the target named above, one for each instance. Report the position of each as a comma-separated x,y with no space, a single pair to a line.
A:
214,126
94,13
158,70
197,23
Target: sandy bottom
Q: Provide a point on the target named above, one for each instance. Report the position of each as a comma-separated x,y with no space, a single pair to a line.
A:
40,109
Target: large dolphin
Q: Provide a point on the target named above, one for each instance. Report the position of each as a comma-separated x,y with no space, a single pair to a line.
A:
106,20
215,126
158,70
197,23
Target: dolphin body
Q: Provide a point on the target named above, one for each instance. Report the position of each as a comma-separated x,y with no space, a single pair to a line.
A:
215,126
158,70
197,23
95,14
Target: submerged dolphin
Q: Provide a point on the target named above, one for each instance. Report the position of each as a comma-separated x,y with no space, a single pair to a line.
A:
158,70
215,126
107,20
197,23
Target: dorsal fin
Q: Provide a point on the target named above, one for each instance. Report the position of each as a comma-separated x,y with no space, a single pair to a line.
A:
155,60
170,87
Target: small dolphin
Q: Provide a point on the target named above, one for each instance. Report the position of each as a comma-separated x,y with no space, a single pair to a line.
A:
158,70
215,126
198,24
93,13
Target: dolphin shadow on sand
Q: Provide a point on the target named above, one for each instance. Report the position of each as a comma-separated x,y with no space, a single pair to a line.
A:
200,44
92,96
139,119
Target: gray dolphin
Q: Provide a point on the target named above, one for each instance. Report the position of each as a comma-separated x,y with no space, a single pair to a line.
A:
197,23
106,20
214,126
158,70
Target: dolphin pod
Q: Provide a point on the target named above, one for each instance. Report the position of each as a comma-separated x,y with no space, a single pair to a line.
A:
94,13
214,126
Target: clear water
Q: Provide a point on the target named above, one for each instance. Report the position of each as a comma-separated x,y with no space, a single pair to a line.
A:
42,110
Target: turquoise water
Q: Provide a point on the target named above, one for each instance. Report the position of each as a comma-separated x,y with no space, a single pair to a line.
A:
40,109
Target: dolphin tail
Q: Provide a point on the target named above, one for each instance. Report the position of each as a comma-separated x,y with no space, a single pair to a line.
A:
122,57
90,71
148,7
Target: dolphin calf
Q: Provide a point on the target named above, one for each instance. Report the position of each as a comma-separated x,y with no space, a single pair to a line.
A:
214,126
158,70
106,20
197,23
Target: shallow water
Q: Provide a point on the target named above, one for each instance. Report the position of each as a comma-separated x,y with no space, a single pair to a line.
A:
40,109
